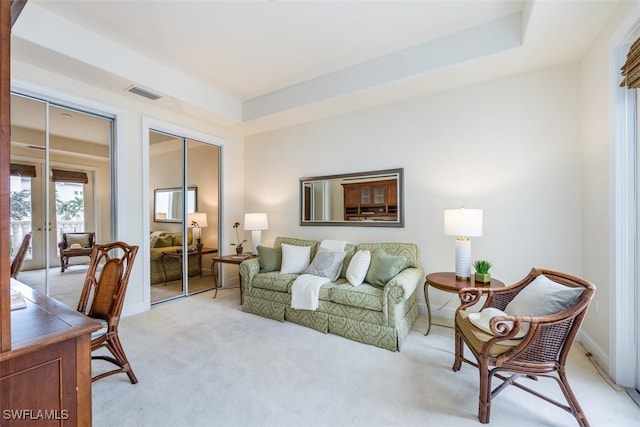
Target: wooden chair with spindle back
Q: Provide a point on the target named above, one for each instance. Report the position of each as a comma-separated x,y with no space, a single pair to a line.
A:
102,298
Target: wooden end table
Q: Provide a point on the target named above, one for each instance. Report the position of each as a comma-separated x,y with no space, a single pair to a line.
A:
180,254
449,282
228,259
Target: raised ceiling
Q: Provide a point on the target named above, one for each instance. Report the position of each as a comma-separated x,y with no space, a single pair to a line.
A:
259,65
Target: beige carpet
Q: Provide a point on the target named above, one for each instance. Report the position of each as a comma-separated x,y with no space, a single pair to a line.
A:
203,362
66,287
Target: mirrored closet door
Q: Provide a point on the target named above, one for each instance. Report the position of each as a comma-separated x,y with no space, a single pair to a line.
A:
60,184
184,224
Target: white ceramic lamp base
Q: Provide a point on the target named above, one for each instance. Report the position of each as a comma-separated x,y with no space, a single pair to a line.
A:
463,258
256,240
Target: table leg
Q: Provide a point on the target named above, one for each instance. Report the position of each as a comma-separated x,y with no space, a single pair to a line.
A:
426,298
164,269
214,273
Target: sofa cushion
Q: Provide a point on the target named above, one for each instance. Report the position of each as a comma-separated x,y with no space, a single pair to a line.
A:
297,242
274,281
326,263
358,267
363,296
410,251
295,259
383,267
270,259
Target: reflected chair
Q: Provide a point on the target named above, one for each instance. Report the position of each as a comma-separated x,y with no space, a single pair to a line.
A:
516,346
16,264
75,244
102,298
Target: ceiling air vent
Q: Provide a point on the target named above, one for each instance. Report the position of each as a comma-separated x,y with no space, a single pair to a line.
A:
144,92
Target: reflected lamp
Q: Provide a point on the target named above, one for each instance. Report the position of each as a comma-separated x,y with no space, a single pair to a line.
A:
197,220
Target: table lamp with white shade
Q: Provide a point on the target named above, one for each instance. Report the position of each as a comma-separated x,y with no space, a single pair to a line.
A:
256,222
463,223
197,220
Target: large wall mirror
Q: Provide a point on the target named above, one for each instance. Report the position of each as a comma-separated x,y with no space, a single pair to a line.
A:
168,203
371,199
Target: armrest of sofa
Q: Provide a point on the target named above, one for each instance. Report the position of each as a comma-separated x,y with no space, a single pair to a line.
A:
401,286
248,269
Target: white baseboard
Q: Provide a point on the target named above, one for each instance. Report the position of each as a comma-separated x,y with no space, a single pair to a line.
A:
597,354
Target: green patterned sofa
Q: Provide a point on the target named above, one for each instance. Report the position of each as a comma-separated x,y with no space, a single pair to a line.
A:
163,241
372,315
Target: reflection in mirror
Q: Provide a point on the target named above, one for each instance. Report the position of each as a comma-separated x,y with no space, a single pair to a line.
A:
168,204
61,178
372,199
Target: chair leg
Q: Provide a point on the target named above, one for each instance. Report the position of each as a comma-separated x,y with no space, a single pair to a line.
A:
118,352
572,400
484,405
119,359
459,349
62,258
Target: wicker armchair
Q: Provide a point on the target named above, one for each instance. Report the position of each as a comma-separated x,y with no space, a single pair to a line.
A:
547,334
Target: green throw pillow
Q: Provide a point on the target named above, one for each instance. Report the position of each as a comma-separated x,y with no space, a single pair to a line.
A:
383,267
270,259
164,242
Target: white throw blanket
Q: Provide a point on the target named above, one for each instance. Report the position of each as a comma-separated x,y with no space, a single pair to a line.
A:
305,291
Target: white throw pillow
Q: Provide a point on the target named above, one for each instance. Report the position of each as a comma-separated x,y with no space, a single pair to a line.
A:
295,259
483,320
327,264
357,270
334,245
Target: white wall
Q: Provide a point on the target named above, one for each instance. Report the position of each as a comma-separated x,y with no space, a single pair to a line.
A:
510,147
132,196
600,76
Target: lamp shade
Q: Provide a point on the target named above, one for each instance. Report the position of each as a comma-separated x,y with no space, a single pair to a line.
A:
197,219
256,221
463,222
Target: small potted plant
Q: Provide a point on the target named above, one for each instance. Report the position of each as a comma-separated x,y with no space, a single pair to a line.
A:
239,248
482,271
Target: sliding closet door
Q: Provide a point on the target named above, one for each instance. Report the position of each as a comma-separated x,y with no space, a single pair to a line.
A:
184,229
61,182
167,242
203,167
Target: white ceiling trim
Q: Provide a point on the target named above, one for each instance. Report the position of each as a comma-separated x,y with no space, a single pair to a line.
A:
471,44
75,42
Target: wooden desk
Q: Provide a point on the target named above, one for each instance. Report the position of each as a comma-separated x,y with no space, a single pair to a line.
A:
228,259
448,282
48,368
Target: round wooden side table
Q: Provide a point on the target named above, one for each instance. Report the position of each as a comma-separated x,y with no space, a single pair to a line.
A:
448,282
228,259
